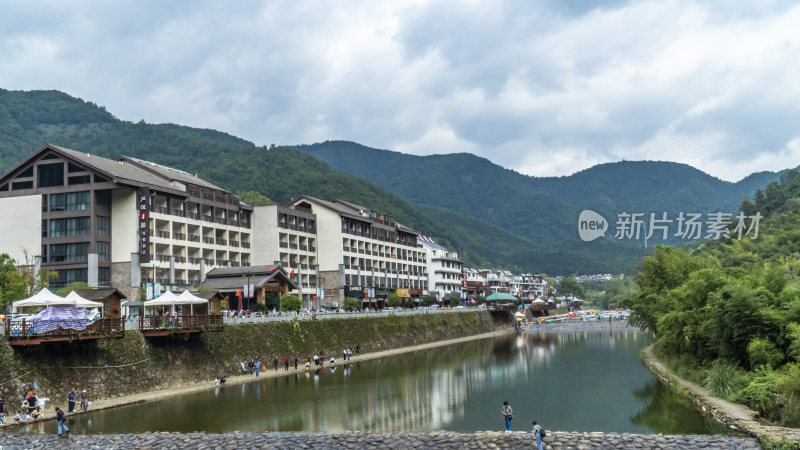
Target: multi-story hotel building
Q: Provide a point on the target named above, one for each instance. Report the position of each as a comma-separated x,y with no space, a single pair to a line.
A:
286,235
365,254
445,280
528,287
119,223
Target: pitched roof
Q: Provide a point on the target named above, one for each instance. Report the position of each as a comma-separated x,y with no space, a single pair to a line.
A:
124,172
229,278
169,173
99,294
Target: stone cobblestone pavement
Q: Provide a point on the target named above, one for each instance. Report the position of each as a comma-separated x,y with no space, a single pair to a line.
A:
355,440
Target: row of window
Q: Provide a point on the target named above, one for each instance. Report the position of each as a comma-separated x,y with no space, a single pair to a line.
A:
74,252
76,226
66,277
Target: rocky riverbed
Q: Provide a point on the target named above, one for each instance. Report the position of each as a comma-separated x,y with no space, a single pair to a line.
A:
233,441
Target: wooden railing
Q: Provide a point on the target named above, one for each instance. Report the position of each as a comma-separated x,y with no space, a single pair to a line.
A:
186,321
19,330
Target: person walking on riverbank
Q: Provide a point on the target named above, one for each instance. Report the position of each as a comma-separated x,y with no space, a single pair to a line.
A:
275,363
295,363
508,415
62,427
537,433
358,349
286,362
258,367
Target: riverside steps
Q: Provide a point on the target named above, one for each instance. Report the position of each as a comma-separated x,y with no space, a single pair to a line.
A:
443,439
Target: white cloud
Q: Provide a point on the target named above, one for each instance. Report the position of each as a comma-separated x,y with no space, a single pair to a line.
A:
544,88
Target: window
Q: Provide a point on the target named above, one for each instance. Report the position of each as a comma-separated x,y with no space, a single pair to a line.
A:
72,226
44,254
72,168
68,276
99,179
78,201
102,200
50,175
103,226
44,228
19,185
71,201
26,173
50,156
44,203
4,187
83,179
104,279
76,252
102,251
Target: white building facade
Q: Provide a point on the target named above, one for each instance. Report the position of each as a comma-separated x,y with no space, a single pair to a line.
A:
445,279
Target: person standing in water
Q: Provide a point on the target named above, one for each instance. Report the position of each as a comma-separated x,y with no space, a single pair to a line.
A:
508,415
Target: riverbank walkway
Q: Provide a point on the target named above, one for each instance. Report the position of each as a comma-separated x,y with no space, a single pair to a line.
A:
739,416
351,440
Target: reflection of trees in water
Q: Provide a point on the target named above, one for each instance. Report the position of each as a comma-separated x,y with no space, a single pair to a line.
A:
667,413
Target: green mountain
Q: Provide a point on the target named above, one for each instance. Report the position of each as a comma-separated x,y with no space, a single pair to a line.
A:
539,208
492,216
29,120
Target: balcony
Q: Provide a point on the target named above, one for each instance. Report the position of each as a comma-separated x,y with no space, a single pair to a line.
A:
221,242
234,243
245,244
284,245
194,238
162,234
312,248
179,236
208,240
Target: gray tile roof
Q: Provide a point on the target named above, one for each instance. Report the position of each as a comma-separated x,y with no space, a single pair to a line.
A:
170,173
129,172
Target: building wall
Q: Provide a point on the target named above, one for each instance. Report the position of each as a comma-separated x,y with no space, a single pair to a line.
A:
21,226
265,235
329,239
124,223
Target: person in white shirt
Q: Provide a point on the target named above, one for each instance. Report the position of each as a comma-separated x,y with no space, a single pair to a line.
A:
537,432
507,415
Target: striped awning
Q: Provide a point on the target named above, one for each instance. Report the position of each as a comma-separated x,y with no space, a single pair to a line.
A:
59,316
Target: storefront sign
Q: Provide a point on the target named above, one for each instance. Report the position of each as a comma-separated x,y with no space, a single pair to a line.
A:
383,292
416,292
143,205
402,292
354,291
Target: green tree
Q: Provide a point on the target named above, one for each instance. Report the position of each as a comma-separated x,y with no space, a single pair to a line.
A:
253,198
394,300
351,304
570,286
290,303
479,300
76,286
428,300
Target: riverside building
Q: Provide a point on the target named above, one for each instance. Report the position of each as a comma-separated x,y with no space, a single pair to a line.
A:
119,223
286,236
364,254
445,278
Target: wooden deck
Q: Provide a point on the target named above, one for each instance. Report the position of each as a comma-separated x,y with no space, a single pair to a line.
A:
21,333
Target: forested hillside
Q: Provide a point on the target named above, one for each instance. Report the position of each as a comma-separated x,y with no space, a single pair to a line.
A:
727,313
28,120
538,208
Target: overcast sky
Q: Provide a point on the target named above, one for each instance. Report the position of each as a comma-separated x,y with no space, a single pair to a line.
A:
539,87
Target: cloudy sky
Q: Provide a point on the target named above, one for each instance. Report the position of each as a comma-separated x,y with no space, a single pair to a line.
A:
546,88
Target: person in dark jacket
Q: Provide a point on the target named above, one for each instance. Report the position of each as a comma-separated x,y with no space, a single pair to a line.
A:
72,397
62,427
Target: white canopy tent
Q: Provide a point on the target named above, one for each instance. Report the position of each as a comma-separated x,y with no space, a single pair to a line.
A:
47,298
81,302
540,301
168,298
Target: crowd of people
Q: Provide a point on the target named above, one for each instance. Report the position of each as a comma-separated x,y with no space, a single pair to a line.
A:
254,366
31,408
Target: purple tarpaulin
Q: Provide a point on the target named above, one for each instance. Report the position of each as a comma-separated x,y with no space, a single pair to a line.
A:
59,316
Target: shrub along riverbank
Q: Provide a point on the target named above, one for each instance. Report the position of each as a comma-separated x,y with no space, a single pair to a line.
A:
133,364
727,313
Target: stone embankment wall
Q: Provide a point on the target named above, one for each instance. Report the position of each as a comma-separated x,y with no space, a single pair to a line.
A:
133,364
556,440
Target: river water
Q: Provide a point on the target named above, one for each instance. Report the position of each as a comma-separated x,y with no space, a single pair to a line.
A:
570,380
